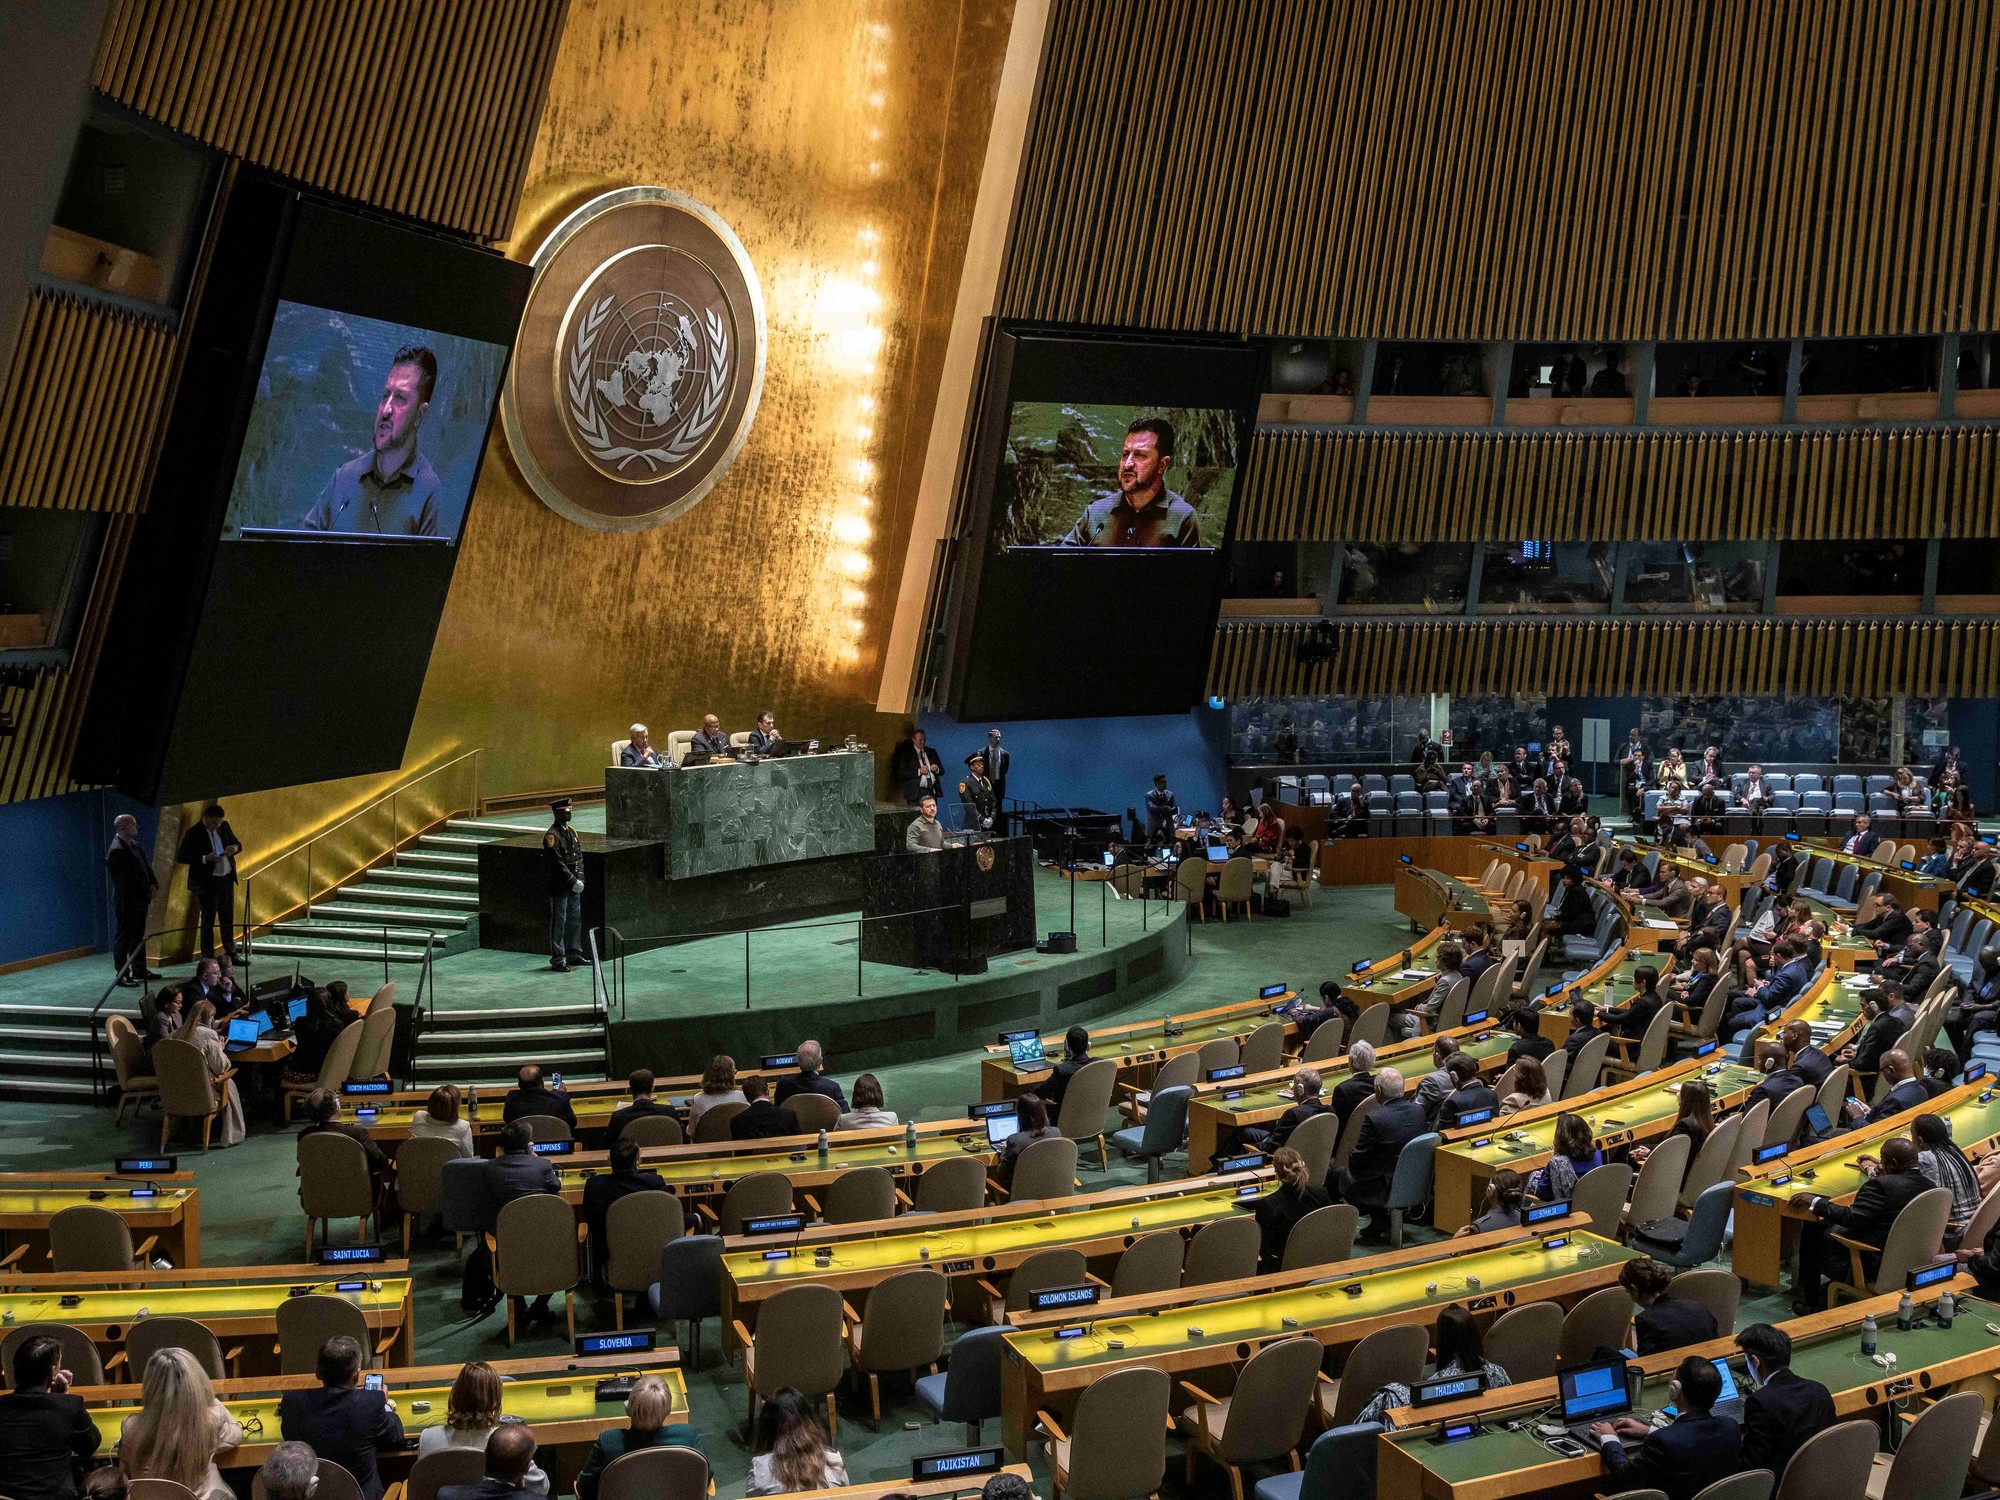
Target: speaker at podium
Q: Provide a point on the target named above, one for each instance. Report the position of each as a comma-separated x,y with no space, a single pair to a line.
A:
949,909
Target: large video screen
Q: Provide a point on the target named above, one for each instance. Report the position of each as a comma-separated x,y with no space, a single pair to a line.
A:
1095,524
276,618
1115,476
364,430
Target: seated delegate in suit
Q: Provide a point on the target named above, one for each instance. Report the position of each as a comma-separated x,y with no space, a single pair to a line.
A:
532,1097
44,1431
709,739
1906,1092
322,1110
1278,1212
1782,1409
510,1456
762,1119
343,1420
606,1188
1684,1457
1867,1219
1862,841
1307,1101
1076,1056
640,751
809,1079
1631,1019
648,1409
1394,1123
1978,1008
1663,1321
764,736
1887,1017
1889,928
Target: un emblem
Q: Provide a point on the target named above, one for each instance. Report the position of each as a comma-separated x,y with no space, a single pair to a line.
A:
640,361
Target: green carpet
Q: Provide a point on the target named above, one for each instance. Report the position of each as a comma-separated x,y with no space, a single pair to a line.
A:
249,1214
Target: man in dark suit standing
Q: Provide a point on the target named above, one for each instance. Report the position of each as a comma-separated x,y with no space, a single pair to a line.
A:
1785,1409
809,1079
1687,1455
1867,1220
533,1098
132,887
342,1420
210,851
998,763
761,1119
510,1453
1393,1124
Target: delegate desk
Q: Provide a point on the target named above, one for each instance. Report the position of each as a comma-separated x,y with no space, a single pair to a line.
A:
1431,898
1498,1464
1206,1327
711,1170
1216,1111
1770,1200
1606,984
1539,868
975,1242
1139,1048
557,1396
1629,1113
232,1302
593,1102
167,1207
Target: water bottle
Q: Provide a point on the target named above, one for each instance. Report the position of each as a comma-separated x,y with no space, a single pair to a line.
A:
1947,1309
1906,1314
472,1101
1868,1335
822,1143
910,1136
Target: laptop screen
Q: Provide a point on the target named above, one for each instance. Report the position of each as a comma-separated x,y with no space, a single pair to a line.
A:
243,1032
1593,1392
1217,853
295,1008
999,1127
1729,1391
1027,1053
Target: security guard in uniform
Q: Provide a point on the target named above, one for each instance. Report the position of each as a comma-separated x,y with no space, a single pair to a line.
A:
975,794
563,855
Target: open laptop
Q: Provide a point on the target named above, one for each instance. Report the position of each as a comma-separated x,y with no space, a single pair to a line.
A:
1592,1393
1027,1053
245,1032
1000,1127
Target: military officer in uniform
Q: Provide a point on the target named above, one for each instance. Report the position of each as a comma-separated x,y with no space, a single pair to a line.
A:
1142,511
975,794
564,857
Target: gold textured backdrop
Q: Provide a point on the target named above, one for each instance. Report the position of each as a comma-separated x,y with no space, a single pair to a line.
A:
842,141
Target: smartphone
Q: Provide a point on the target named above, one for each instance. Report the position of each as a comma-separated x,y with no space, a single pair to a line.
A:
1568,1447
374,1380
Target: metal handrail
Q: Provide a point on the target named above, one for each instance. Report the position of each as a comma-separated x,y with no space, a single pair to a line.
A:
308,843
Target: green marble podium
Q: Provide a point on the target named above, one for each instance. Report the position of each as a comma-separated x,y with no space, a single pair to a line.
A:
732,815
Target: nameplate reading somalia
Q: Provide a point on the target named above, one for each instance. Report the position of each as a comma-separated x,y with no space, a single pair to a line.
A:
640,361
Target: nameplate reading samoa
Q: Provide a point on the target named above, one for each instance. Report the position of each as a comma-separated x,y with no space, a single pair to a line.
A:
640,362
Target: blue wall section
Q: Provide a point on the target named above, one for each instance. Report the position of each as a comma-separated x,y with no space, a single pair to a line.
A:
1107,764
56,896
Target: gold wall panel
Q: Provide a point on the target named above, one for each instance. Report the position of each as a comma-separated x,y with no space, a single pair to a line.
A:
426,109
1375,486
79,417
1566,658
1518,169
841,140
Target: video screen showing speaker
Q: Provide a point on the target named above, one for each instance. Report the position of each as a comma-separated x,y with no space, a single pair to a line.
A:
364,431
286,585
1115,476
1099,496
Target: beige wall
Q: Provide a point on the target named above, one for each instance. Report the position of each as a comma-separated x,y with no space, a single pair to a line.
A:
842,140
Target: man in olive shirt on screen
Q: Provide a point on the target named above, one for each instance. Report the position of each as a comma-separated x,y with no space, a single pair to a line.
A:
1142,511
925,834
